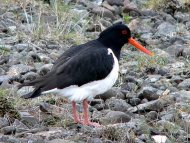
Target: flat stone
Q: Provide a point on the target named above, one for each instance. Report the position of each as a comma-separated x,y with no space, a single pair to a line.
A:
155,105
113,117
117,104
184,84
19,69
166,29
28,119
149,93
8,130
101,11
113,92
3,122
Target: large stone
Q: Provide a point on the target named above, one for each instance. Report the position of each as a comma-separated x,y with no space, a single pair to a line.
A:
182,17
113,117
165,29
186,52
180,95
8,130
149,93
113,92
115,2
184,84
19,69
156,105
175,50
117,104
101,11
28,119
3,122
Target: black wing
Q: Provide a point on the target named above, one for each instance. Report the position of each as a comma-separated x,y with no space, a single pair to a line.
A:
74,50
89,65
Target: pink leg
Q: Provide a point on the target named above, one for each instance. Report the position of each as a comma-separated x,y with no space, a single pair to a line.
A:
75,114
86,119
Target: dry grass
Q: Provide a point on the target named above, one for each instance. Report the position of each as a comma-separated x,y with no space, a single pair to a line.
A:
159,4
58,22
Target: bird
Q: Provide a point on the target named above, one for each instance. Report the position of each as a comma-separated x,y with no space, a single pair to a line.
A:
86,70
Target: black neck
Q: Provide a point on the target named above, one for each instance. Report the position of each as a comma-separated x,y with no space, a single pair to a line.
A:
112,44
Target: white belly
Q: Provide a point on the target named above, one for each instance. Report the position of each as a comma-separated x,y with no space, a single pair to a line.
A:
89,90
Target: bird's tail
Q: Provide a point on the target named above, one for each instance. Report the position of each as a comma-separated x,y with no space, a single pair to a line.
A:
35,93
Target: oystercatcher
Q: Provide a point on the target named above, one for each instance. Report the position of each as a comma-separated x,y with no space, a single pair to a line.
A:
86,70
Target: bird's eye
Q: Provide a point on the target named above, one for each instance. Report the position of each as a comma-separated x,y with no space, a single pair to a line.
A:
124,32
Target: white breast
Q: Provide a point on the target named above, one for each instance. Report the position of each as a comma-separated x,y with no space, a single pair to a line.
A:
89,90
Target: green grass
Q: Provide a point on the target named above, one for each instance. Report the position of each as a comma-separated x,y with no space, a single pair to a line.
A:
145,61
4,51
127,18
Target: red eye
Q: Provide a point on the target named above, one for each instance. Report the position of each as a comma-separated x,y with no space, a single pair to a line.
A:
124,32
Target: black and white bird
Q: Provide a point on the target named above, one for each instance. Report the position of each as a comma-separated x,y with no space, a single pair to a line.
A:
86,70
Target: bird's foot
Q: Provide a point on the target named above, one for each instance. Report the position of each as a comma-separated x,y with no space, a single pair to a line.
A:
94,124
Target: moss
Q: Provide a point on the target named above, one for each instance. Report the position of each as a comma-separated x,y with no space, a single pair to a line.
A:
6,106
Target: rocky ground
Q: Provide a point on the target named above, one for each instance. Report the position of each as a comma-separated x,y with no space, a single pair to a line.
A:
151,100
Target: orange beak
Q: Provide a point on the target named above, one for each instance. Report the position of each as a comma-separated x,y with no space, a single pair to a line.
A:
140,47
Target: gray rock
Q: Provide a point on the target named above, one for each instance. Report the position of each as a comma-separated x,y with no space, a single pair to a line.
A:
115,2
170,115
140,26
149,12
98,104
144,101
15,58
165,29
171,127
129,86
184,84
19,69
117,104
152,115
21,47
8,130
186,52
44,58
137,140
24,90
182,17
168,18
175,50
20,127
176,79
101,11
134,101
28,119
113,92
180,95
113,117
4,78
139,126
45,69
30,76
153,78
149,93
155,105
3,122
188,25
35,139
94,140
9,139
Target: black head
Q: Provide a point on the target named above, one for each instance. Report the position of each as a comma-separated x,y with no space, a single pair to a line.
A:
116,35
